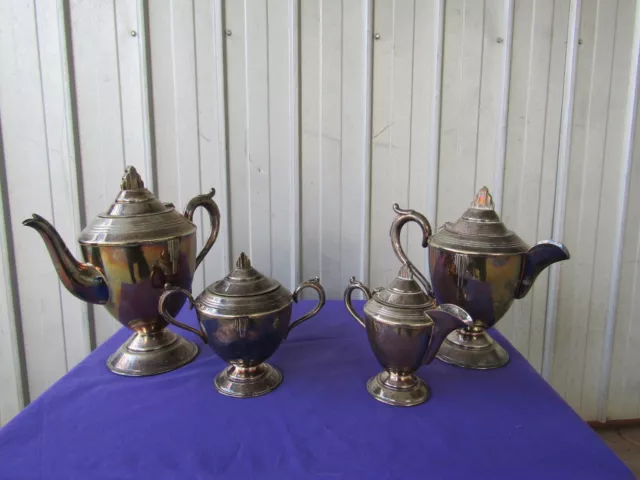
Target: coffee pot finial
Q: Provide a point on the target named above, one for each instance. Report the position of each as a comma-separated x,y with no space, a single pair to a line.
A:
483,199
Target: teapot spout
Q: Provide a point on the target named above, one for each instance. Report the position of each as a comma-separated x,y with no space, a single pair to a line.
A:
446,318
539,257
82,280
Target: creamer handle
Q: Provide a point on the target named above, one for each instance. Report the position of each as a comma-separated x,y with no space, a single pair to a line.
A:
355,285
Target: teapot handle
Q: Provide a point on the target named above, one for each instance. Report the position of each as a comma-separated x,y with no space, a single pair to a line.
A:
168,291
405,216
205,201
315,284
355,285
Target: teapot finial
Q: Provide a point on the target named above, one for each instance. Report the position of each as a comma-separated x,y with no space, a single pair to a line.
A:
243,261
131,180
483,199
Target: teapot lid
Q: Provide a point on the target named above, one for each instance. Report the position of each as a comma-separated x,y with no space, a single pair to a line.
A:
478,231
244,291
135,216
404,292
134,199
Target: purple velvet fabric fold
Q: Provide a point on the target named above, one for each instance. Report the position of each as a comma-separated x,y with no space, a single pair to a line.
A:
320,423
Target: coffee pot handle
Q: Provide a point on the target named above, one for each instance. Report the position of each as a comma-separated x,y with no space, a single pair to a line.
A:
168,291
405,216
355,285
311,283
205,201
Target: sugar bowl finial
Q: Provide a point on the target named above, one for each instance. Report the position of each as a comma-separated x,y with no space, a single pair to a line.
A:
243,261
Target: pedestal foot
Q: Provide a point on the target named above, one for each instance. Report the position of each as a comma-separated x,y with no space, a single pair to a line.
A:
475,350
151,354
247,382
398,390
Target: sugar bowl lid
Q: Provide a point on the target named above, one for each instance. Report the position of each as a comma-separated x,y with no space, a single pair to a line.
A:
136,216
244,291
243,281
479,231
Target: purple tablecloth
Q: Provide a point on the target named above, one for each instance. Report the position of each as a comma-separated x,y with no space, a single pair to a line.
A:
320,423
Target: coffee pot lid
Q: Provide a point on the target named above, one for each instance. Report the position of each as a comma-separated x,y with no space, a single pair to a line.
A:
135,216
404,292
243,281
244,291
479,231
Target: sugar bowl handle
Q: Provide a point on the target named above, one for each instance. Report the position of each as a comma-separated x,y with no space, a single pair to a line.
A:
205,201
355,285
315,284
168,291
405,216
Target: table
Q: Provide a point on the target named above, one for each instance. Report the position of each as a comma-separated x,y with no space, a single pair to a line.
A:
320,423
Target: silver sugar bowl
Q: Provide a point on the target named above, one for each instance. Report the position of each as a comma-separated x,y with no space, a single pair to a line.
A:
244,317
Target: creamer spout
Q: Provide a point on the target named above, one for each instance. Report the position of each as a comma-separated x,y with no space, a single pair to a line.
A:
446,318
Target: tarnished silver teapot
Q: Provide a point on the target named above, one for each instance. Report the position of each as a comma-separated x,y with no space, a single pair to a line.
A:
131,252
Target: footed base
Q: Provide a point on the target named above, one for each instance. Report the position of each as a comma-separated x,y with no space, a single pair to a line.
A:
475,350
247,382
152,354
398,390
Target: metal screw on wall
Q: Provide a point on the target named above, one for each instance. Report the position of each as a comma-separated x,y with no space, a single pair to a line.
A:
133,33
228,32
377,36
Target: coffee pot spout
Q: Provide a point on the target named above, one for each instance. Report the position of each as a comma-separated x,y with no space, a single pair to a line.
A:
539,257
446,318
82,280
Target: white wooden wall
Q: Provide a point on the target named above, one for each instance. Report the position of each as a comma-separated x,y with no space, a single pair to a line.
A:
311,118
